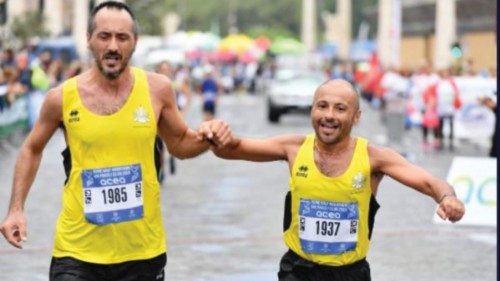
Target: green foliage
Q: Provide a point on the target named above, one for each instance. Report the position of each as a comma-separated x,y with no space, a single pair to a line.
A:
27,25
278,16
283,16
359,7
255,17
271,33
149,14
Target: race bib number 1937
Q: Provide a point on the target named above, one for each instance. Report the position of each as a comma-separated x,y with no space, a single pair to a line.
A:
327,227
112,195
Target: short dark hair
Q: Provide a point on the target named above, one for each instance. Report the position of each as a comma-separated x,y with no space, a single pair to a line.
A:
111,5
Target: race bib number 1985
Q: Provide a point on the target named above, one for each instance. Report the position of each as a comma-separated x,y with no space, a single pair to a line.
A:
112,195
327,227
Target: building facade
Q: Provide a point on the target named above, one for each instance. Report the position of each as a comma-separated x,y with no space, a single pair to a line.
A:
475,32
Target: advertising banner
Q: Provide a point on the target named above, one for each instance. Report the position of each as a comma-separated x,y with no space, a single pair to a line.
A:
14,117
475,182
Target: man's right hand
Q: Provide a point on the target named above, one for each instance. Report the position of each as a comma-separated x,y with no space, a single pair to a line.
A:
13,229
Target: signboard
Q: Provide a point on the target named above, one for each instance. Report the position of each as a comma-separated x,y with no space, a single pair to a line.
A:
474,121
14,117
475,182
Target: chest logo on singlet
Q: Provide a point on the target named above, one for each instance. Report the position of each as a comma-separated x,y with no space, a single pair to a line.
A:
141,115
302,171
358,181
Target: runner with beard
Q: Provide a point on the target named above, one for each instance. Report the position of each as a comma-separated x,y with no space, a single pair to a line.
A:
334,178
110,226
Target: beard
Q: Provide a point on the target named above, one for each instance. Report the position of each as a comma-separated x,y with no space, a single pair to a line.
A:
330,139
111,74
340,133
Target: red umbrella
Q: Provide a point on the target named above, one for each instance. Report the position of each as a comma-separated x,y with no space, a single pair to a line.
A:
194,54
225,55
247,57
263,42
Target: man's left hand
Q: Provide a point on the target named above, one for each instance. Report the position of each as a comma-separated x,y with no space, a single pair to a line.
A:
216,132
451,208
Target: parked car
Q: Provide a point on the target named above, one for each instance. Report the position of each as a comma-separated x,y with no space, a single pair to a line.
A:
292,91
61,48
154,56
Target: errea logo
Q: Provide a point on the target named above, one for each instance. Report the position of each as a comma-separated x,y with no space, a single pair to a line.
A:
302,171
73,116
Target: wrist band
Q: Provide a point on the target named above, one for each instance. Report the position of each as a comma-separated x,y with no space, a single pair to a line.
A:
446,195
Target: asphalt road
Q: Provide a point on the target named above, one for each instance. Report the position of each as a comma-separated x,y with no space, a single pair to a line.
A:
224,218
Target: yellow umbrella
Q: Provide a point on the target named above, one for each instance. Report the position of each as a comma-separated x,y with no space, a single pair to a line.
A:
237,43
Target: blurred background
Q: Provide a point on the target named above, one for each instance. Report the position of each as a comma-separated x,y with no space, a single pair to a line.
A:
247,41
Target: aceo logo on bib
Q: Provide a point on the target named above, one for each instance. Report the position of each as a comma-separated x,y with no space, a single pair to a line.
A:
112,181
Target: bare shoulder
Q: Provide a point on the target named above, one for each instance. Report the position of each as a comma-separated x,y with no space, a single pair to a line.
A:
290,144
158,84
53,100
378,150
381,157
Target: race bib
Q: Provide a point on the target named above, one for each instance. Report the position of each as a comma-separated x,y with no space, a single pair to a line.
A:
112,195
328,227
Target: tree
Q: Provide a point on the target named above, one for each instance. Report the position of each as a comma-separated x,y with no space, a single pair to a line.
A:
255,17
251,16
28,25
149,14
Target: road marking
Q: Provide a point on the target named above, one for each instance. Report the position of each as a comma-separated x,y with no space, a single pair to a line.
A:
485,238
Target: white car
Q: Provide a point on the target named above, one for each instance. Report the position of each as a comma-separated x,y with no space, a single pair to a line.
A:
292,91
152,57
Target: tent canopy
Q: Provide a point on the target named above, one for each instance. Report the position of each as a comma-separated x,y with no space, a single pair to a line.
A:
287,45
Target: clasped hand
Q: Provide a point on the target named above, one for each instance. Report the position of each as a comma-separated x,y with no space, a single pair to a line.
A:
216,132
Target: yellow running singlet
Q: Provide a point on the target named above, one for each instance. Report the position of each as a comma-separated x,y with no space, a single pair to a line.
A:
111,200
329,215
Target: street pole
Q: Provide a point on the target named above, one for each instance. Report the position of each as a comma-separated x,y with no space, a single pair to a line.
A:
80,18
53,12
445,32
344,13
308,36
389,32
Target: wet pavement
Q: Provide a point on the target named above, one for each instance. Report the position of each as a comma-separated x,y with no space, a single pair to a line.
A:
224,218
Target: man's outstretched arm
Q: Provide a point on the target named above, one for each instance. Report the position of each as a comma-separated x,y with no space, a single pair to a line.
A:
261,150
389,162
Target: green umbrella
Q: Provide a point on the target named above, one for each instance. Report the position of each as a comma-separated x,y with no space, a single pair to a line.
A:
287,46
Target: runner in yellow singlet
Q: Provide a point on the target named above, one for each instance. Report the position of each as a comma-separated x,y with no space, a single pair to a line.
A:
334,178
110,226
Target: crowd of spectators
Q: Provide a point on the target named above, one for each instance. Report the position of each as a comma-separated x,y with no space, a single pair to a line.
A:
233,76
26,70
422,98
407,98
